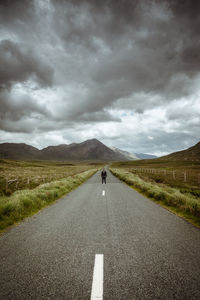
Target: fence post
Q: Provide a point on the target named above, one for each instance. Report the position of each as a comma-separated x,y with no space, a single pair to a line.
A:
185,176
174,175
17,181
199,179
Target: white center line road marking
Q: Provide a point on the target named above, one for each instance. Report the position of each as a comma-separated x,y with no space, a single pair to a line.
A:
97,284
103,193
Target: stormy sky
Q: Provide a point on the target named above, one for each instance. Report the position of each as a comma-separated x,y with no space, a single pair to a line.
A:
125,72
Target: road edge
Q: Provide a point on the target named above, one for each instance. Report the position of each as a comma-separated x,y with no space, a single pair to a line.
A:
20,218
186,217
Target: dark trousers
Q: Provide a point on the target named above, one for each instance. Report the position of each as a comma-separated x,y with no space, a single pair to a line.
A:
103,180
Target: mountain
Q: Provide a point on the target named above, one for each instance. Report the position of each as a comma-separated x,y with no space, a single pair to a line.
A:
88,150
145,156
133,156
54,152
190,154
18,151
128,155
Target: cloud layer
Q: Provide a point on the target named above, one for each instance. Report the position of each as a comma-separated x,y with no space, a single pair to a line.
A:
126,72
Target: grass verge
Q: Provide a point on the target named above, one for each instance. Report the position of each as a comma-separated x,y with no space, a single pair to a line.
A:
21,175
183,205
24,203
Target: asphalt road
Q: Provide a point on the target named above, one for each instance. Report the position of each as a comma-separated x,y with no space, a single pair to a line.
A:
149,253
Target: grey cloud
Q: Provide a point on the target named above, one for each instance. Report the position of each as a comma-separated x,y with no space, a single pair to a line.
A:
98,117
138,102
22,126
162,142
17,9
145,53
93,56
17,109
18,64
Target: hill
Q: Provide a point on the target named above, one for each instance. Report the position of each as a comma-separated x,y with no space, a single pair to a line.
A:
88,150
190,154
133,156
18,151
128,155
145,156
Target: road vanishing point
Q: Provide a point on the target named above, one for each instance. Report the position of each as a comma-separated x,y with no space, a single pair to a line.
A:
91,244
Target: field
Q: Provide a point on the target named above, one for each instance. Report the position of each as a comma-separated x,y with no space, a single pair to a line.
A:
174,184
26,187
19,175
183,175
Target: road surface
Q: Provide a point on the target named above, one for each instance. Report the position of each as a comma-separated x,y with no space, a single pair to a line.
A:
145,251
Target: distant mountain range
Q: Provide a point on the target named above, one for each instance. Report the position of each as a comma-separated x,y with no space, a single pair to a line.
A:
126,154
88,150
145,156
133,156
92,150
190,154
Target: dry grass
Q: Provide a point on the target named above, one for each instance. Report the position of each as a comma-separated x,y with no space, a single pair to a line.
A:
24,203
28,175
183,175
186,205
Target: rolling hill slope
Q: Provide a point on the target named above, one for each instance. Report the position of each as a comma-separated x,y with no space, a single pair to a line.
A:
190,154
18,151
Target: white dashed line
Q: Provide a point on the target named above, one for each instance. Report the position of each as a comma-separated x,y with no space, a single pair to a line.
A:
103,193
97,284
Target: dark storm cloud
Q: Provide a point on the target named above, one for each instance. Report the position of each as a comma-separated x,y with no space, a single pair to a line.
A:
148,44
20,113
83,61
18,63
18,9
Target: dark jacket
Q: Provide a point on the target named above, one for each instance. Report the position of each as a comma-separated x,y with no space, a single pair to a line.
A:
103,174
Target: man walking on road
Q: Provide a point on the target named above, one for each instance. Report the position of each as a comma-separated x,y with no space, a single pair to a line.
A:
103,175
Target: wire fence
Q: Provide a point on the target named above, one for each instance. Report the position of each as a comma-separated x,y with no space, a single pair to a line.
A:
10,182
189,177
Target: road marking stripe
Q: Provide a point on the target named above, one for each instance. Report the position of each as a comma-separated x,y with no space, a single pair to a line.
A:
97,284
103,193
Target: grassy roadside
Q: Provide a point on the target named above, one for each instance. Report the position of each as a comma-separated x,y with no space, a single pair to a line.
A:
22,175
24,203
186,206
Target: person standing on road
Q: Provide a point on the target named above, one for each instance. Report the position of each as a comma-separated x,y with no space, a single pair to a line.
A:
103,175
